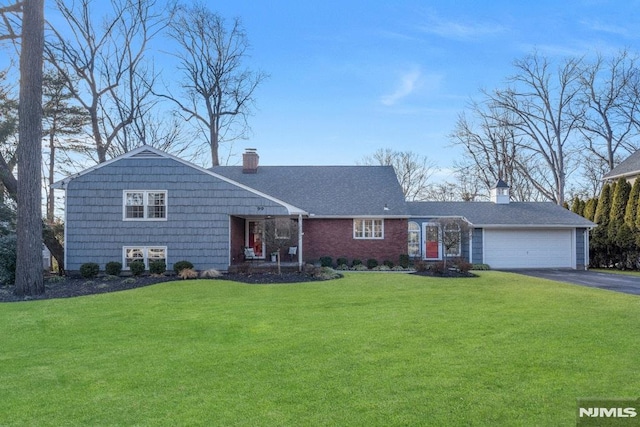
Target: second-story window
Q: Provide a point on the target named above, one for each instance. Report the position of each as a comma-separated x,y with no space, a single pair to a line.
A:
145,205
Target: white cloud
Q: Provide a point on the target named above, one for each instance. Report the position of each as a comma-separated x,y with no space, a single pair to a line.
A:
408,84
611,29
460,30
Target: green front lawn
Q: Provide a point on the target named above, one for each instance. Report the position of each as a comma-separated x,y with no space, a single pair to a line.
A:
366,350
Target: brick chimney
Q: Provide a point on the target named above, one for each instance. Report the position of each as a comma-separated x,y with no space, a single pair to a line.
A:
250,161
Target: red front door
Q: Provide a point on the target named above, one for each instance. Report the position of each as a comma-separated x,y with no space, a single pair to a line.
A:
255,237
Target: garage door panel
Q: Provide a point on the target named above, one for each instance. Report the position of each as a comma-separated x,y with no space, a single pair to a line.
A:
529,248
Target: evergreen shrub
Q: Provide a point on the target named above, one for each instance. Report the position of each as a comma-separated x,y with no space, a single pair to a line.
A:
89,270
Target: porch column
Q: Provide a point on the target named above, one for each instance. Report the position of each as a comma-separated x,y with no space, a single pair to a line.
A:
300,233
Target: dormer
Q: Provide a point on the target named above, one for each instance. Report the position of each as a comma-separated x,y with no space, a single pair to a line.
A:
500,193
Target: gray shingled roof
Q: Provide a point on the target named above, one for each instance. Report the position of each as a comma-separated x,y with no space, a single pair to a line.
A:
629,166
533,214
328,190
366,190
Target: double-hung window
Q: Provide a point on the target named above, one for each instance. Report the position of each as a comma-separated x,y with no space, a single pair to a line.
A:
140,205
368,229
414,240
146,254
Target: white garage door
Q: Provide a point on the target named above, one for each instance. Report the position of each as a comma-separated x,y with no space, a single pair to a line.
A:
529,249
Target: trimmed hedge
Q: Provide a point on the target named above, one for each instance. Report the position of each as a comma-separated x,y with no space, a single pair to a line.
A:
89,270
181,265
157,267
137,267
326,261
113,268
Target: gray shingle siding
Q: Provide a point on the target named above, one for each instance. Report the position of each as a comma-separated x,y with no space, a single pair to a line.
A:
477,246
581,249
198,209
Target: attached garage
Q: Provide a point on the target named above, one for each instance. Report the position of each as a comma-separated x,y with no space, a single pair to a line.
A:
531,248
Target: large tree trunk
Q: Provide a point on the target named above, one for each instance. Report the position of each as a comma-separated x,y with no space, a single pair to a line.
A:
29,280
11,185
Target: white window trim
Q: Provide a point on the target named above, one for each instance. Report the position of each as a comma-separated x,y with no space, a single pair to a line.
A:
145,255
145,204
417,231
424,241
372,224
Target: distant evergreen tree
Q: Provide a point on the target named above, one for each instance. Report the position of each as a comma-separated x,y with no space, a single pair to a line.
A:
590,206
575,205
601,237
619,201
619,236
625,247
637,219
603,209
632,206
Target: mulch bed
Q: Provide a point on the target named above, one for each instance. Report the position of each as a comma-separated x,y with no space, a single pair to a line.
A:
75,287
446,274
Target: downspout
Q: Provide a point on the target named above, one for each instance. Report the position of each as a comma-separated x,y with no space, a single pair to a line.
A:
300,234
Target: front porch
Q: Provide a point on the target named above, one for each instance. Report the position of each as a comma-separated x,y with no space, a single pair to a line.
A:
256,240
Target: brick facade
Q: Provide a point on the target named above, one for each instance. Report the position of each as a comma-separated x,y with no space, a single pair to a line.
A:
334,238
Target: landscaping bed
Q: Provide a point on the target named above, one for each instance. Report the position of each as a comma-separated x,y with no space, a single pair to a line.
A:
449,273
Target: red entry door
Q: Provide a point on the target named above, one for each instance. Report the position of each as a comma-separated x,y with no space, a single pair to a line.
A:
255,237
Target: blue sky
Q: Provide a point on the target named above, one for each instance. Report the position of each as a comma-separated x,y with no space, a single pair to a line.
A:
349,77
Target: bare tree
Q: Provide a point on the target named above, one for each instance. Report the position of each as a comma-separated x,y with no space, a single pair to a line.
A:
413,170
104,68
444,191
541,107
61,120
10,21
492,151
218,89
29,280
488,143
452,230
154,127
611,105
592,170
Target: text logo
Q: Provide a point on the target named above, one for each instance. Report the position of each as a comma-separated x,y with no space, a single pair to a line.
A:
609,412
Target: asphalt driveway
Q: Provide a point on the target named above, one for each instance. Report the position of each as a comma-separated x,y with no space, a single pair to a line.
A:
595,279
